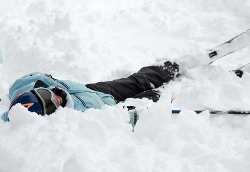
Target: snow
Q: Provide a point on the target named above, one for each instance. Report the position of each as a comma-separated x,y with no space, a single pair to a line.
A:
89,41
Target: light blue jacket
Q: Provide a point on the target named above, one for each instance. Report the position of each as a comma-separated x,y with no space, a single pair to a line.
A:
82,96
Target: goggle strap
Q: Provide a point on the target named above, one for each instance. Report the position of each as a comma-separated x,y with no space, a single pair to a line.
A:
42,103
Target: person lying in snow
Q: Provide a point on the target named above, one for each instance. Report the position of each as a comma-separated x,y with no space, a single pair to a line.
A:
43,94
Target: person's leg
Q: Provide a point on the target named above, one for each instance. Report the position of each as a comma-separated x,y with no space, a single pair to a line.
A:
153,95
147,78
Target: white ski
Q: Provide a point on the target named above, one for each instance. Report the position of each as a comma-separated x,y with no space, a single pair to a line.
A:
237,43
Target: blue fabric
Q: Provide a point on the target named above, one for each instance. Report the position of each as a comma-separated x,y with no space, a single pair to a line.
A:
82,96
5,116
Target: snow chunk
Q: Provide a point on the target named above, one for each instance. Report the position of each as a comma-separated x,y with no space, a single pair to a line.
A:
231,95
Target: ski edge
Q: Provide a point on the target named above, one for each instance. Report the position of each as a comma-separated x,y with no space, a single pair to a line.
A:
235,112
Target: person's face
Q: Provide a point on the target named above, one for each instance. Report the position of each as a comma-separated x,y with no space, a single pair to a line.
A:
58,99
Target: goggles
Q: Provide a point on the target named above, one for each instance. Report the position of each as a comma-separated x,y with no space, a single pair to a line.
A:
47,100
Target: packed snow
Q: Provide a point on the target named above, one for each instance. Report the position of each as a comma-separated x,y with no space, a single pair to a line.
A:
93,40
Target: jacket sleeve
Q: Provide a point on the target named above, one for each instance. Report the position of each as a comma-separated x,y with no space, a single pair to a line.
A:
5,117
22,84
27,82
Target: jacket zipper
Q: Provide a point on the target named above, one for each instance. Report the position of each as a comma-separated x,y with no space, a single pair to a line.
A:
81,100
66,86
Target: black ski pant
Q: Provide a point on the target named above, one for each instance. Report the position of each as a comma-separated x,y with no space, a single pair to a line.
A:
138,85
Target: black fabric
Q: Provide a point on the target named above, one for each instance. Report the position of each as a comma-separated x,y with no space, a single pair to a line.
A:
239,73
150,94
140,84
40,83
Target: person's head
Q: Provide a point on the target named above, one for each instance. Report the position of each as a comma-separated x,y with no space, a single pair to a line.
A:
42,100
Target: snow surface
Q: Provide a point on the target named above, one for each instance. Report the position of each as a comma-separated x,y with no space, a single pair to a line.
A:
93,40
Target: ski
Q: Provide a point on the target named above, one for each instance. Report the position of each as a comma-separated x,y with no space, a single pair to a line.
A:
240,71
217,112
237,43
242,67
